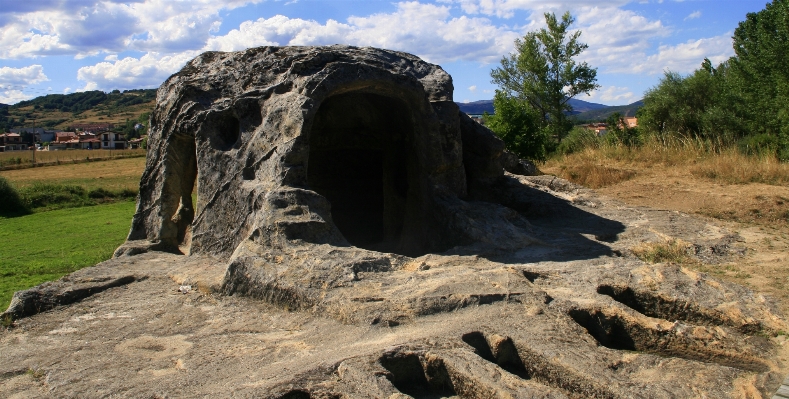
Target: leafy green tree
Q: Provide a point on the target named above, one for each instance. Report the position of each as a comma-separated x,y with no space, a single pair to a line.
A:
700,105
761,71
518,126
543,75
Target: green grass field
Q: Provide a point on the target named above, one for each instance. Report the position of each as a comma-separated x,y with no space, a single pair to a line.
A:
48,245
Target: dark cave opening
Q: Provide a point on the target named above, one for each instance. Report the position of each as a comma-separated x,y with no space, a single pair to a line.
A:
359,161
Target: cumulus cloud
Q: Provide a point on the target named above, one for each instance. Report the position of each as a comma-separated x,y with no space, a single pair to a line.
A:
616,52
149,70
686,57
612,95
41,28
426,30
13,96
28,75
472,89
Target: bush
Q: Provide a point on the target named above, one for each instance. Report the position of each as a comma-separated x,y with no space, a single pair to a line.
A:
518,126
56,196
53,196
759,145
10,202
578,139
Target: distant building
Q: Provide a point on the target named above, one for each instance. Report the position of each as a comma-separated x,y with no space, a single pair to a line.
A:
136,143
599,129
12,142
631,121
112,141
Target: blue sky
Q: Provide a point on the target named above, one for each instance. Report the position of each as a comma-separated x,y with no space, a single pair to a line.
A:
57,46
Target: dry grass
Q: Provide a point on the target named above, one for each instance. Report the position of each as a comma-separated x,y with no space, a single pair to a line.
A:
26,157
607,165
671,251
113,175
732,167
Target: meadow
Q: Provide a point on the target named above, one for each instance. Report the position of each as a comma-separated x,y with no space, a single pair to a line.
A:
45,246
23,159
48,244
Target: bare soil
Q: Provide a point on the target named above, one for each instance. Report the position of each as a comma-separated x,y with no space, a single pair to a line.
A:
759,213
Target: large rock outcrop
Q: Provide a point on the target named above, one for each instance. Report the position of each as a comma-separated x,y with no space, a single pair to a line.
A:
325,145
355,236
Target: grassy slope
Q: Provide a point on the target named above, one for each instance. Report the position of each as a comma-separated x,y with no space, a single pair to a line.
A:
45,246
111,175
105,112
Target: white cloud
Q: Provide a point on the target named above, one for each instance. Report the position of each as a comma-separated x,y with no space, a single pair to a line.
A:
85,28
13,96
693,15
28,75
616,52
612,95
507,8
472,89
426,30
686,57
149,70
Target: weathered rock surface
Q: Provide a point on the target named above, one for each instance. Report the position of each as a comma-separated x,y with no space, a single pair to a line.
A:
356,236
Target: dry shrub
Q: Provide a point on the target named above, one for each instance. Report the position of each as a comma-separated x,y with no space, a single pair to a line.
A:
734,168
590,174
604,165
670,251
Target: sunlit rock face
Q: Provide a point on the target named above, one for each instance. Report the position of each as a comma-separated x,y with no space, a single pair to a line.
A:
333,145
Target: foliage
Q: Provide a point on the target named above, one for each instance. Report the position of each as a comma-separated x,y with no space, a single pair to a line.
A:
761,47
619,133
578,139
10,202
74,102
758,145
543,74
129,129
47,109
518,126
745,100
47,196
46,246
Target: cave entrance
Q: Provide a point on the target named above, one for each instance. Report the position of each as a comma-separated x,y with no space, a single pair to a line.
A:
359,161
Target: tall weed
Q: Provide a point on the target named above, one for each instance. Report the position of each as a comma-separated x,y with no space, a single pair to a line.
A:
604,163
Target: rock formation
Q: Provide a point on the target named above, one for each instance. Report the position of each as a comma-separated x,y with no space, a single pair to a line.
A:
342,187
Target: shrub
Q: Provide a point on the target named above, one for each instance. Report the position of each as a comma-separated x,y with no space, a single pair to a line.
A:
577,140
53,196
759,145
10,202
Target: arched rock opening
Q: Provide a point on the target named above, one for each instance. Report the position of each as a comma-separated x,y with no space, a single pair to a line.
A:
361,160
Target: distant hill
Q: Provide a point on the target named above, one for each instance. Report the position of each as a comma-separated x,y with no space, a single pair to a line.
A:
479,107
583,111
58,111
599,115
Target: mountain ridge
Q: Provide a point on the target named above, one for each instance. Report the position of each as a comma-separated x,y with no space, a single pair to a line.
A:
582,110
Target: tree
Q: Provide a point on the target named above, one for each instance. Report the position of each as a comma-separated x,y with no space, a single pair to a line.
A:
761,45
518,125
543,75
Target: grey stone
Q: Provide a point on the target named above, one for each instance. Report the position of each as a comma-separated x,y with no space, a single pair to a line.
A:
355,235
